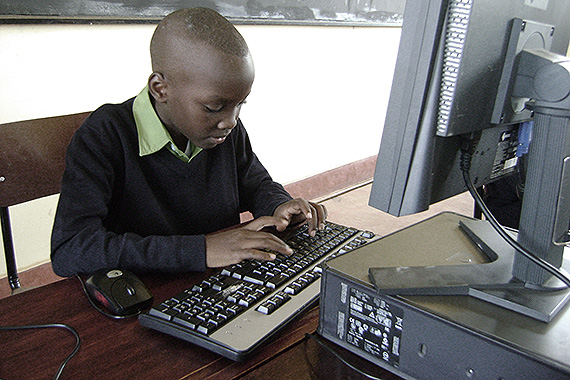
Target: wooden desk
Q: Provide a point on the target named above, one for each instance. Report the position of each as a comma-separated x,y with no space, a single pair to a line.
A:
123,349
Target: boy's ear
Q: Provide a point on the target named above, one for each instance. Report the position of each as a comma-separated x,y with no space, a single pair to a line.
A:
158,87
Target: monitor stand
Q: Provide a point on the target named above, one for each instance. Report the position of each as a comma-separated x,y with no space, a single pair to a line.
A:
492,282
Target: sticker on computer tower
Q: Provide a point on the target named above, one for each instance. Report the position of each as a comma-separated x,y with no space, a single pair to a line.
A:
374,326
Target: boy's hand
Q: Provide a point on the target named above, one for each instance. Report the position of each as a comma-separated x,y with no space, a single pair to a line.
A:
246,242
299,210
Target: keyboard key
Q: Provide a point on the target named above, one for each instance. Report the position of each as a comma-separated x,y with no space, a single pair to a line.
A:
235,297
181,297
280,298
187,320
276,281
267,307
206,328
204,316
273,303
235,309
163,312
248,300
244,268
224,282
257,278
293,288
200,287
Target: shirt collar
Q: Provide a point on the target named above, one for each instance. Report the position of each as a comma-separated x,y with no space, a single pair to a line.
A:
153,136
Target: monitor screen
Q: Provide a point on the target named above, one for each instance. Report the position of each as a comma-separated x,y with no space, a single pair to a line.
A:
464,82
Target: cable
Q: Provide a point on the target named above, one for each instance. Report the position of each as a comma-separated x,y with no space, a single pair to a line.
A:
51,325
465,164
344,361
101,310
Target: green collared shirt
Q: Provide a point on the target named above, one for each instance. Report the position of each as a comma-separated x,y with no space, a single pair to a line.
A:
153,136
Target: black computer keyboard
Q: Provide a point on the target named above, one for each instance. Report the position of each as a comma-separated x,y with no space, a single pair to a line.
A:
241,306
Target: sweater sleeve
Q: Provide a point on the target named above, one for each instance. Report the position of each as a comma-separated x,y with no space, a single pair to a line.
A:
80,241
259,194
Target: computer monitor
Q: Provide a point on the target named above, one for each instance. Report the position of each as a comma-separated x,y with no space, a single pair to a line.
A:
471,76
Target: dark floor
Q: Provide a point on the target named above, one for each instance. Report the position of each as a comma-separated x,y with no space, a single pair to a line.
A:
350,208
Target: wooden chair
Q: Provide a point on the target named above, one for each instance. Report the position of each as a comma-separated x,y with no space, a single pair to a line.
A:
32,160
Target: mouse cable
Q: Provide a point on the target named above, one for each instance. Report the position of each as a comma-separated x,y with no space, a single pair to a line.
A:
47,326
97,306
337,355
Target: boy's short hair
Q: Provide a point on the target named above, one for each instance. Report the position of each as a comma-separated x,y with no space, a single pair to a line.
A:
199,24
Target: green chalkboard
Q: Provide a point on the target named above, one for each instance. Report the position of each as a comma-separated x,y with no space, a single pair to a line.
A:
325,12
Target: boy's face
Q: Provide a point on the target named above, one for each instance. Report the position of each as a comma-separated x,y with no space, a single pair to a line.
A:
201,97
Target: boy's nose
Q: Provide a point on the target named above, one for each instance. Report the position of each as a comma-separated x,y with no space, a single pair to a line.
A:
230,121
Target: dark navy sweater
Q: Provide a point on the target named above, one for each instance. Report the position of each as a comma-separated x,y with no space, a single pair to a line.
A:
150,213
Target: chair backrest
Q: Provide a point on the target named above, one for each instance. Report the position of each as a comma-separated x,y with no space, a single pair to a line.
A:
32,160
32,157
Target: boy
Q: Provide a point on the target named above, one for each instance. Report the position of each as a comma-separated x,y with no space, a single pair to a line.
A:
149,182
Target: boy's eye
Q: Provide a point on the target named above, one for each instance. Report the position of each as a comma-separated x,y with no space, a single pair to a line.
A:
213,108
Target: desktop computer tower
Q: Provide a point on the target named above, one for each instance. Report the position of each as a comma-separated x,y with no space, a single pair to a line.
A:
435,337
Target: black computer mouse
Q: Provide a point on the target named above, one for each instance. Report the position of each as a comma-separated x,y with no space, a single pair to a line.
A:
119,291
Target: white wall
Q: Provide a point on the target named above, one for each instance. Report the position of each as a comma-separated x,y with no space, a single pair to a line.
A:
318,101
